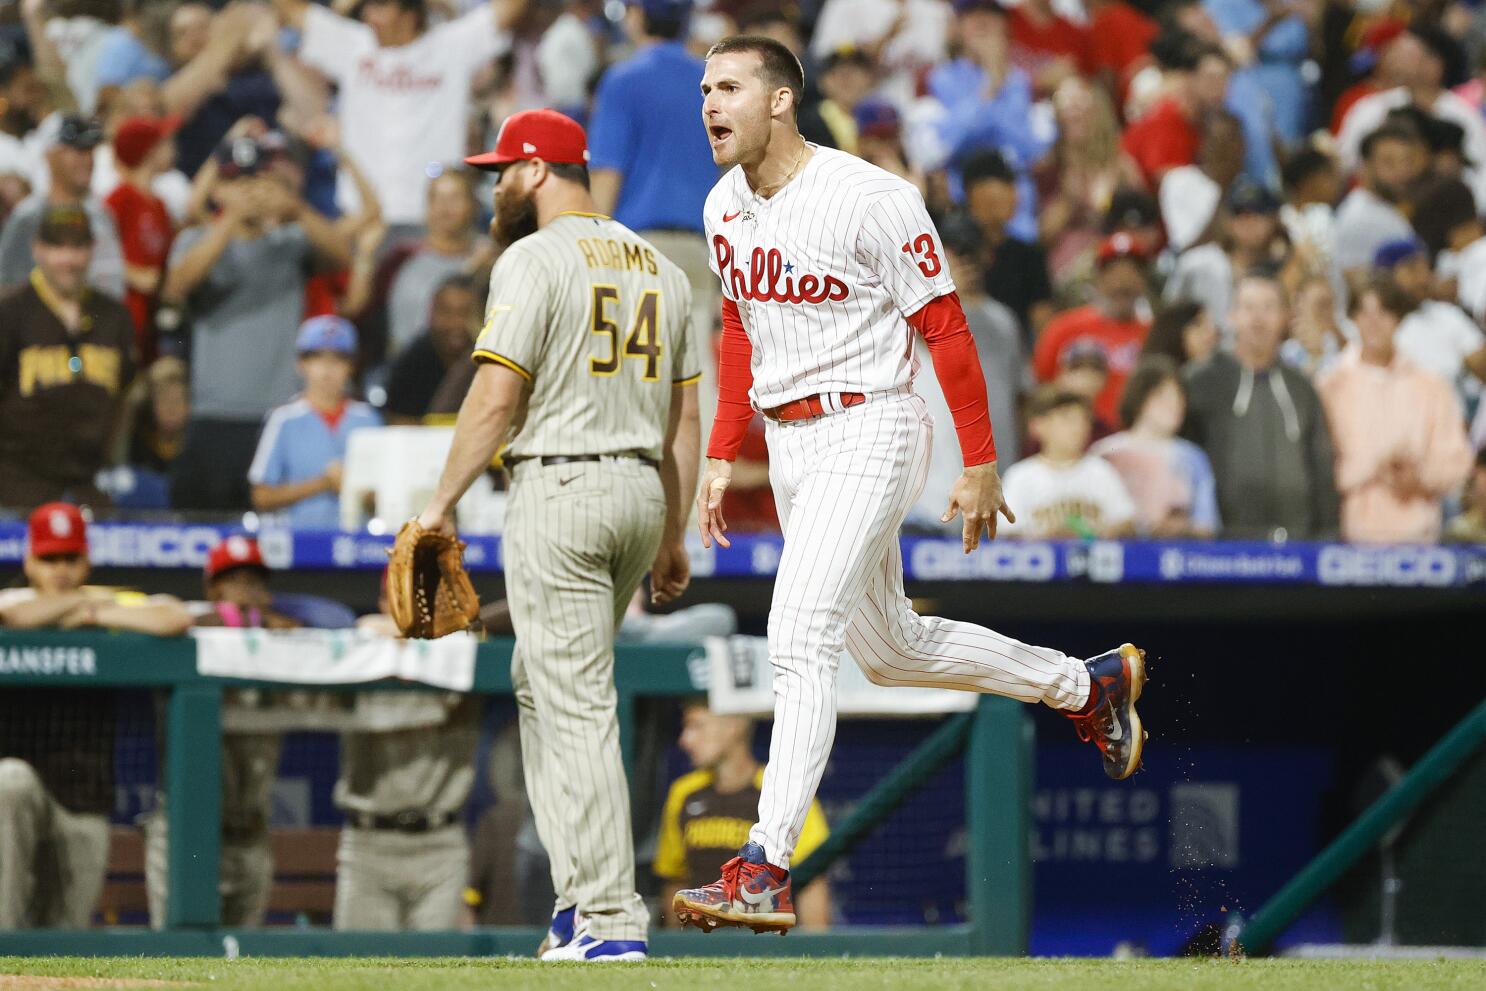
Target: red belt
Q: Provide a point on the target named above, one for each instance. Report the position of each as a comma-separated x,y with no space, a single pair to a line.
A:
810,407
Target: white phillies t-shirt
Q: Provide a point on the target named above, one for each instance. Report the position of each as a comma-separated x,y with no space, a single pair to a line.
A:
401,108
824,273
1049,498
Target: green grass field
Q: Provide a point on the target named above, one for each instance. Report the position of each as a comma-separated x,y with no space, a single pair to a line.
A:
320,974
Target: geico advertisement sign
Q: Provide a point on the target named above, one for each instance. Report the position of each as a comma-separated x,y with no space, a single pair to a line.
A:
125,546
931,560
1433,566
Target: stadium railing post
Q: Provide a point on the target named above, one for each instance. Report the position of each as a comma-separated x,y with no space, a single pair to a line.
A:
998,863
193,745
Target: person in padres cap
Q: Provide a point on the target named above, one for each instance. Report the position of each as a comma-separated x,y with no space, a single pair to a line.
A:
588,360
66,360
57,744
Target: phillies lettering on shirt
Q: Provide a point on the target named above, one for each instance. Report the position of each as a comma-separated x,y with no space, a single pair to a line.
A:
824,273
399,79
404,108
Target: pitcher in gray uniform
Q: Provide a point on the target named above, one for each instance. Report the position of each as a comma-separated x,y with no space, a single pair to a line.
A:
588,360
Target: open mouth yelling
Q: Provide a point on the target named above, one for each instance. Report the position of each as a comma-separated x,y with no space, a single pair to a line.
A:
719,133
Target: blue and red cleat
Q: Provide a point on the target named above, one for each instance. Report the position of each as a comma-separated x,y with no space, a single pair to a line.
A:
1110,721
752,893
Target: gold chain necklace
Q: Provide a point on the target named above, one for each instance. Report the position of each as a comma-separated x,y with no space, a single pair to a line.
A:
785,181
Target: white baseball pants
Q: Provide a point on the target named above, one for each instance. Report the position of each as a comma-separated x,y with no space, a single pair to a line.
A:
843,483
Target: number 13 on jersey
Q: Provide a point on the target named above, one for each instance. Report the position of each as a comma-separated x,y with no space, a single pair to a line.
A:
644,336
922,250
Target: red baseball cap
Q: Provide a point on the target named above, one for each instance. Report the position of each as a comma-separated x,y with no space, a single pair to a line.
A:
544,134
58,528
138,136
1118,246
235,552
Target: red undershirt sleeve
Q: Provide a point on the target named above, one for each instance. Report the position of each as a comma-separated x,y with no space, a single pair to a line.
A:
734,379
942,324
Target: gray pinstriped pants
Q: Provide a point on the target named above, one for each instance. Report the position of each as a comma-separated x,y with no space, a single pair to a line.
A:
578,539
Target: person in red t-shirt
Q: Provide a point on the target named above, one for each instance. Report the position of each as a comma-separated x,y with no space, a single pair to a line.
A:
145,230
1167,135
1112,323
1047,47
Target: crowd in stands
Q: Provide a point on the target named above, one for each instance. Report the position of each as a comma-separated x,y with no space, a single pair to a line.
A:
1224,259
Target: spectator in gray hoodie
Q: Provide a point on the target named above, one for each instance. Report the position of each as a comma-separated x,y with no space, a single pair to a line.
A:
1263,428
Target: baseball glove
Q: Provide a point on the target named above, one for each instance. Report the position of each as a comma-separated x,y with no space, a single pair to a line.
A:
428,591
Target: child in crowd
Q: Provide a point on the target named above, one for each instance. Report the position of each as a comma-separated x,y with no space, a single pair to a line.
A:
1063,491
1169,478
298,464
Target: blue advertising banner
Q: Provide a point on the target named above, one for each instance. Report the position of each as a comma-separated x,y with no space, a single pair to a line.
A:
173,545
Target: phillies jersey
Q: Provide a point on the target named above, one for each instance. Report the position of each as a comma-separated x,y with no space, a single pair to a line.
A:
824,274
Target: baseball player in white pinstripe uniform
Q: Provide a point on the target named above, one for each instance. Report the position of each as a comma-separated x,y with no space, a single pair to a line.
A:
589,359
828,264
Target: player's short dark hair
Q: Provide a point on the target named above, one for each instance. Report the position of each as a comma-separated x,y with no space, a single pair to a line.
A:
570,171
1397,129
1303,165
986,166
778,66
1383,286
1151,372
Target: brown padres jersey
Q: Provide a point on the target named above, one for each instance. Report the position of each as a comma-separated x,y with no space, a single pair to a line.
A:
59,392
599,323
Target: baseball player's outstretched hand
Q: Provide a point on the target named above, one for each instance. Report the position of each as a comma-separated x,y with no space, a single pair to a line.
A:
977,496
709,502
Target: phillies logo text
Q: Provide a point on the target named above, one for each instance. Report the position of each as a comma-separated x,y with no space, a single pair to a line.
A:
766,279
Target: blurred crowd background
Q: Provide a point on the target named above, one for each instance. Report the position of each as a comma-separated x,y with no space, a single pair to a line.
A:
1223,258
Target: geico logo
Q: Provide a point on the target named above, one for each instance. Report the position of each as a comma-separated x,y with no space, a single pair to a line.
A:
154,546
946,559
1386,566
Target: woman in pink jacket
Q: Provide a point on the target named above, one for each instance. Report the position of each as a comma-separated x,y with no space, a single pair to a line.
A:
1399,432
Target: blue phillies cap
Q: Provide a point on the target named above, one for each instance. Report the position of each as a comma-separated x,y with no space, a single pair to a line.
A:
327,333
1397,251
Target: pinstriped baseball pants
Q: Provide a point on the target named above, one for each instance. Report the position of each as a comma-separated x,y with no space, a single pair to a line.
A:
843,484
578,539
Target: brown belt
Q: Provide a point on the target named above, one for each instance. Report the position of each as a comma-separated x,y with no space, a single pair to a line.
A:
810,407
